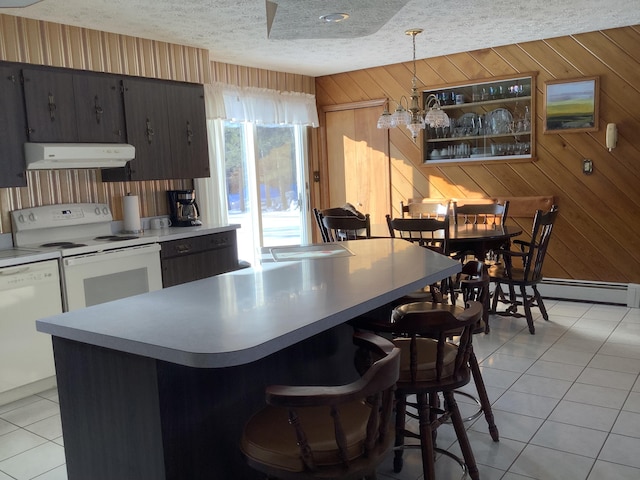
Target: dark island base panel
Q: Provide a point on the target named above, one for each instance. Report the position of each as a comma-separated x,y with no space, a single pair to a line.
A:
127,416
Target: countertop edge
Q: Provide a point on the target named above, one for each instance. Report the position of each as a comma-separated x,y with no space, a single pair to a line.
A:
178,233
222,359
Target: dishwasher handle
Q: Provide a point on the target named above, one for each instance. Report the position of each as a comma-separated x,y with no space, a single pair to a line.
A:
14,271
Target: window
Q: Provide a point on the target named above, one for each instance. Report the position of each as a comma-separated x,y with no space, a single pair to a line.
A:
266,185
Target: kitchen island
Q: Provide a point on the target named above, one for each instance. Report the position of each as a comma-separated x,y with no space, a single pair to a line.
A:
158,386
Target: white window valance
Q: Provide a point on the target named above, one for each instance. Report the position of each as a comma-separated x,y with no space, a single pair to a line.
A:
260,105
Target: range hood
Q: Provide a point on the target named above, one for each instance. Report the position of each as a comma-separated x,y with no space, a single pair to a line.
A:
47,156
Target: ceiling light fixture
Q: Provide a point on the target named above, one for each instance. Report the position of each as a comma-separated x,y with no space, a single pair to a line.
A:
334,17
412,115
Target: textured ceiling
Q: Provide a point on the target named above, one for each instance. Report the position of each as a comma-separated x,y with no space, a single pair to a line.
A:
235,31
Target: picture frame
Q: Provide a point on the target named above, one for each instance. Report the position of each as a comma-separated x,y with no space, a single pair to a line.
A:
571,105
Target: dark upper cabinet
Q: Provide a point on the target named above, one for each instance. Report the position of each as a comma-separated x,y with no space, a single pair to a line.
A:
164,120
50,104
145,106
188,130
99,108
13,128
166,124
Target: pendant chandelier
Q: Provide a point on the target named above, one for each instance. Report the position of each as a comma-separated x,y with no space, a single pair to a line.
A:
410,114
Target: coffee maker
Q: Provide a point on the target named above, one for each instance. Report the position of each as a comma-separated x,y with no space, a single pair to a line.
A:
183,208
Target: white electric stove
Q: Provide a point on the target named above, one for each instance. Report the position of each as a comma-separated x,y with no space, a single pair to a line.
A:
96,265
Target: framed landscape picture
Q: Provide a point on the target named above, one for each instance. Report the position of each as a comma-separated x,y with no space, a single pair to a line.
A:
571,105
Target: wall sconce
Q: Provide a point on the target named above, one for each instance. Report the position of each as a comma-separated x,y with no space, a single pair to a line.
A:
587,166
612,136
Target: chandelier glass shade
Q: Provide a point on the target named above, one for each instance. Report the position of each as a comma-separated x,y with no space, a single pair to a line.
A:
410,114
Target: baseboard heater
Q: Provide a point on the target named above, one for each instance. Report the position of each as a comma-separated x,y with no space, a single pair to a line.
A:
627,294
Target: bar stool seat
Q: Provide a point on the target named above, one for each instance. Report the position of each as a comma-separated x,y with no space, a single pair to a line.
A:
328,432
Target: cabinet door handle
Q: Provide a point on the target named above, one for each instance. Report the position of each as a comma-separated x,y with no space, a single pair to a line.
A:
189,133
150,132
98,109
52,107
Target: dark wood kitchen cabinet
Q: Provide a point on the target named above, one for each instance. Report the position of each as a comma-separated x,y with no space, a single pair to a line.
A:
99,108
194,258
66,105
188,130
167,126
13,128
50,105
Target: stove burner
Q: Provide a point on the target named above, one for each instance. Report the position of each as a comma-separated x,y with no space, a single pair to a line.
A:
63,244
115,238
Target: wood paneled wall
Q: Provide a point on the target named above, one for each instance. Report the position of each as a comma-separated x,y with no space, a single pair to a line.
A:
597,236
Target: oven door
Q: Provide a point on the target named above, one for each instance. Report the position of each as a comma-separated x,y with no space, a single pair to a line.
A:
110,275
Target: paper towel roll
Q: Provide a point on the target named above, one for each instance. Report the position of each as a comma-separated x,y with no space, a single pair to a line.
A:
131,213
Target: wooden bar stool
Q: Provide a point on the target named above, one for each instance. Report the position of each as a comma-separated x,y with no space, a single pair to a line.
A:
328,432
432,365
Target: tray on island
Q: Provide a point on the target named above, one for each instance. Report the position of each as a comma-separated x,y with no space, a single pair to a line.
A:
304,252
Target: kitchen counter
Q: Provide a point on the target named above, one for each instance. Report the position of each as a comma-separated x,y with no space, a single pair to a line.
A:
160,385
177,233
11,257
242,316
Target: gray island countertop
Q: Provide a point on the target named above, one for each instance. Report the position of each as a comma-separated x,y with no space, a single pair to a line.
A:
242,316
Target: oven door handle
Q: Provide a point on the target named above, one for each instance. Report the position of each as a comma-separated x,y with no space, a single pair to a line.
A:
121,253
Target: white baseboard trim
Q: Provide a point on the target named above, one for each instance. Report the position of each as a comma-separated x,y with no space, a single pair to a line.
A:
627,294
27,390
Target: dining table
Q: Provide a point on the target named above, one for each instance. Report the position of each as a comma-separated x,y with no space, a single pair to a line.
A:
480,238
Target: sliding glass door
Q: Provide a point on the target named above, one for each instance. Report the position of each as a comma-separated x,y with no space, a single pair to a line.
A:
267,185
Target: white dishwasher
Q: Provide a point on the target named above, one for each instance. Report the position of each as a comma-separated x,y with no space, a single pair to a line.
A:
28,292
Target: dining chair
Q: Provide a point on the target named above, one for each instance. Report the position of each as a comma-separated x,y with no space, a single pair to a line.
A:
425,208
523,268
431,365
487,214
347,228
324,233
328,432
480,213
430,233
472,284
347,210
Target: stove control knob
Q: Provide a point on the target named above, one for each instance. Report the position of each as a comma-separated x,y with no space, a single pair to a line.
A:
32,217
97,210
20,218
105,210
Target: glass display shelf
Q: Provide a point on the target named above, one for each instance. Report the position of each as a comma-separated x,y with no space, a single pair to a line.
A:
489,120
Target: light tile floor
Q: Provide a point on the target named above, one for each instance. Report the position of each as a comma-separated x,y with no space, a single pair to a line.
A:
566,401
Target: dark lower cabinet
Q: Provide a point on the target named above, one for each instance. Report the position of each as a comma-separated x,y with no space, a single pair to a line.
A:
13,128
194,258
